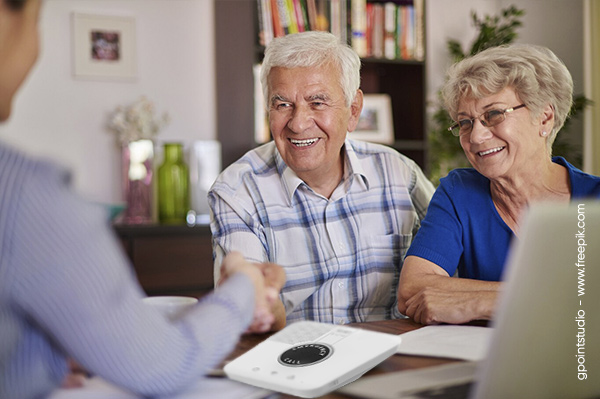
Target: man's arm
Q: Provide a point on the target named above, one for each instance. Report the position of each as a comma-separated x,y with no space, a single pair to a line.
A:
429,295
421,192
234,230
236,235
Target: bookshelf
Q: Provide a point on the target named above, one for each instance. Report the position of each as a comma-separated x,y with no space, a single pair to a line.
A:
238,49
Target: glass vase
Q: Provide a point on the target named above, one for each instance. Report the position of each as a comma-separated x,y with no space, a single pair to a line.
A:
173,186
137,177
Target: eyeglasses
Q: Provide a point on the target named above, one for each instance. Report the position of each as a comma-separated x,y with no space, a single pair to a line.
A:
489,118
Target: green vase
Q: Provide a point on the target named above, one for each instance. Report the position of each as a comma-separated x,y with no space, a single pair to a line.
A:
173,186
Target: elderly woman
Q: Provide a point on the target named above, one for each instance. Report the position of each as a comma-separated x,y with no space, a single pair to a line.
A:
509,104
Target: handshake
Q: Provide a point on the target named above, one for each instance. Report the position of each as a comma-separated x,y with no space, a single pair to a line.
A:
268,280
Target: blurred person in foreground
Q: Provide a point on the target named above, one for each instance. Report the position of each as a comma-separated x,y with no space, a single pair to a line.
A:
509,103
337,214
68,292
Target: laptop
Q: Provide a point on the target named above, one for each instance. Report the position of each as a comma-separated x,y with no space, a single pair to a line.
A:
310,359
546,340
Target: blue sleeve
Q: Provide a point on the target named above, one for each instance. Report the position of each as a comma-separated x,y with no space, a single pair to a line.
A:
439,238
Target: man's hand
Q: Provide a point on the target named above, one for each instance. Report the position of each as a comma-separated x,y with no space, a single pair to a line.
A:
76,376
268,279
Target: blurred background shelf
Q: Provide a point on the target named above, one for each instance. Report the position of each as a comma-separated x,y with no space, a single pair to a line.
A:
170,259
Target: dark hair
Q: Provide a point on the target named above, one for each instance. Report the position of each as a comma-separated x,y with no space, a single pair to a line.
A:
15,4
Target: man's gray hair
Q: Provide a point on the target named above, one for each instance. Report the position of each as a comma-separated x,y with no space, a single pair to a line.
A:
313,49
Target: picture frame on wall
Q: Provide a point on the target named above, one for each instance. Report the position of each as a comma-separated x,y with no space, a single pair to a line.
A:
375,123
104,47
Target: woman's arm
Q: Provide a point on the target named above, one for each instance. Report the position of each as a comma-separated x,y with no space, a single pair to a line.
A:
429,295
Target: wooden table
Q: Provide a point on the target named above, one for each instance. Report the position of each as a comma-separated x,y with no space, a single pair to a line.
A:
392,364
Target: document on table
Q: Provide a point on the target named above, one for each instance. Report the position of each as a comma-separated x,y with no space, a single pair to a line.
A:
207,388
448,341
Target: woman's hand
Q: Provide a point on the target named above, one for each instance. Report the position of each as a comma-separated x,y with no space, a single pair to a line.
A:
436,306
427,294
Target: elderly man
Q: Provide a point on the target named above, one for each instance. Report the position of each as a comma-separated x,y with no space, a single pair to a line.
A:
337,214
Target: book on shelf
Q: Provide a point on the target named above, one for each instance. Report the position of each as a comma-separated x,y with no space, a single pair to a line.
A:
275,20
405,43
377,30
390,45
419,7
339,19
392,29
358,26
265,22
311,11
301,16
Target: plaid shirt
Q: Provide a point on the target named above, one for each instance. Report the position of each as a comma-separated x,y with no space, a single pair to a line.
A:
343,254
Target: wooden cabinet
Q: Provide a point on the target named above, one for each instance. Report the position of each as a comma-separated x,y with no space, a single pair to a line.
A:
170,260
237,49
404,81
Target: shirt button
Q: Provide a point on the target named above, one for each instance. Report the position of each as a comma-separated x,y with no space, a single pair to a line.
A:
341,284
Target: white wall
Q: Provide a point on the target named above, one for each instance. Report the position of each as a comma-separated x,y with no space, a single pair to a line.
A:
557,24
64,118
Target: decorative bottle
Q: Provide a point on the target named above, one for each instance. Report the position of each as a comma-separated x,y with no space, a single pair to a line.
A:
173,186
137,179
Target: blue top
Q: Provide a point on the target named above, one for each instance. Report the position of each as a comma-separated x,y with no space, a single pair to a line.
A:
463,229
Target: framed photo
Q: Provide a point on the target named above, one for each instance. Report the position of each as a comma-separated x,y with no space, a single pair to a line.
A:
375,123
103,46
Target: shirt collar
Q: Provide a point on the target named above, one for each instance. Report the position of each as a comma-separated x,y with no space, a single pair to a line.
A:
354,171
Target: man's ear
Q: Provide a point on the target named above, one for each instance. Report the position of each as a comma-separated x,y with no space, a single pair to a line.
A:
355,110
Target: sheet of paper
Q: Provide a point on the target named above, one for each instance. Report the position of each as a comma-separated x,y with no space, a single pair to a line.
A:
403,384
448,341
208,388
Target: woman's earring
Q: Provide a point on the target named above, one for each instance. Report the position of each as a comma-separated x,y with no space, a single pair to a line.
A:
544,133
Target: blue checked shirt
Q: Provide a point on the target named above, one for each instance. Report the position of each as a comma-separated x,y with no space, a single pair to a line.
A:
342,255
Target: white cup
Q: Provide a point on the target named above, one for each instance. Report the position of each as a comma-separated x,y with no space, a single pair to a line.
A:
171,306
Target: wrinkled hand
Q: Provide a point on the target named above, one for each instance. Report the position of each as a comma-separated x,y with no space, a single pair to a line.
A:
435,306
268,279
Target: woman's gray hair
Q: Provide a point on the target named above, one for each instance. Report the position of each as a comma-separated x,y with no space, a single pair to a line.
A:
535,73
313,49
